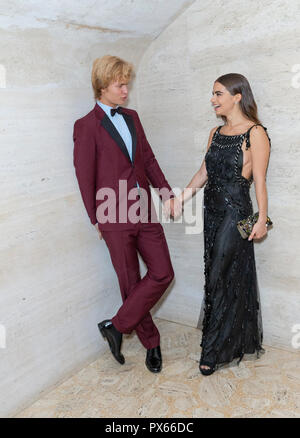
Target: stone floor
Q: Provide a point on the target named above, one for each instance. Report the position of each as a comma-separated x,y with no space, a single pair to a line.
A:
267,387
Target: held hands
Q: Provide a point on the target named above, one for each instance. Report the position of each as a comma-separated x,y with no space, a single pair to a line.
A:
173,207
259,230
99,232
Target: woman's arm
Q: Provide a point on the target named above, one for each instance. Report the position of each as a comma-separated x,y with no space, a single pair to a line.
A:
260,153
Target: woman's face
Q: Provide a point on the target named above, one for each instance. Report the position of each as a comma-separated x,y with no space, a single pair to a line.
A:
222,101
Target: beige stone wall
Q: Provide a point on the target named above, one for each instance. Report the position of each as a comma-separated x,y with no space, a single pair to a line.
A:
57,281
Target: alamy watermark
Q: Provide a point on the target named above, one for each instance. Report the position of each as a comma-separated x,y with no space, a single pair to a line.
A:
123,205
296,337
2,76
2,336
295,82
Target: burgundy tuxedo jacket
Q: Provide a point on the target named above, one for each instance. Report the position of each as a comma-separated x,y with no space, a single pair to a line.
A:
101,160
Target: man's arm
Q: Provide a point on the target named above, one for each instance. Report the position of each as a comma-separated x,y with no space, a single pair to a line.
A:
152,168
84,159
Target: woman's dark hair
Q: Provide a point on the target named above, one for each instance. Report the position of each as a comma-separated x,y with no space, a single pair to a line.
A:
236,83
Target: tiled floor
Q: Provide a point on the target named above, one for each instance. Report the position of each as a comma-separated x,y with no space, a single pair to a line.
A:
267,387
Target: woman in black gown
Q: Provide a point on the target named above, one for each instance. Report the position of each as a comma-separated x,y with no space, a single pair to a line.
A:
237,154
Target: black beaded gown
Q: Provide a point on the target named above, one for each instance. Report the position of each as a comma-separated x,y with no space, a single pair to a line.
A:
232,323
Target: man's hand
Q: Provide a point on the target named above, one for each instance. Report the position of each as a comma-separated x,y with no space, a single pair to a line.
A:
177,208
99,232
173,207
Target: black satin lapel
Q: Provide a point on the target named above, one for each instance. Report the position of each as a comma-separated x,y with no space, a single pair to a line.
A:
113,132
129,120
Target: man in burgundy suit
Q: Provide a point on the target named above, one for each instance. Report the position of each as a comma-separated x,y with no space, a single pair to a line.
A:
113,159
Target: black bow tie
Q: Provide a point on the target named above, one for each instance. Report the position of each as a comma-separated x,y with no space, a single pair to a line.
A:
113,111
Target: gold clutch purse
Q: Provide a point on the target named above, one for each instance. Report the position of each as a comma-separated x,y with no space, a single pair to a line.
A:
245,226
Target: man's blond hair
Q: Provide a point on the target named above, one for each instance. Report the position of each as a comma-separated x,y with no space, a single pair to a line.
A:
109,69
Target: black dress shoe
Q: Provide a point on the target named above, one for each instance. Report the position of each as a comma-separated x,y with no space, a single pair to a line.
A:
154,360
114,338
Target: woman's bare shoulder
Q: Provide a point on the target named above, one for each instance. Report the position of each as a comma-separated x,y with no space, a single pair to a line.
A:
259,138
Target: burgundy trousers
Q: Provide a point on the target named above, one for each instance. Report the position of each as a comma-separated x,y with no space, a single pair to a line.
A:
139,295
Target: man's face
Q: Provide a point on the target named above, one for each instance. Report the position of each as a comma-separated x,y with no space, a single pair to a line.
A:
115,94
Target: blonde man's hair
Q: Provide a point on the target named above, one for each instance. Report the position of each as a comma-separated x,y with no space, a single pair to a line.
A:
109,69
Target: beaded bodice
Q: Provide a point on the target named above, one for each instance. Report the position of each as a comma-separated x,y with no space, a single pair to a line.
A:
224,158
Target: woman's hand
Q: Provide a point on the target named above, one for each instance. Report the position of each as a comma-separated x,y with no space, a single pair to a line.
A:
259,230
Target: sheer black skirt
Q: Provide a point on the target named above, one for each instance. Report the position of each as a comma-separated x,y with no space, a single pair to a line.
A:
232,323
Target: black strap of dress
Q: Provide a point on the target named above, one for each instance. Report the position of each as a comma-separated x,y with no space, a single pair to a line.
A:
247,135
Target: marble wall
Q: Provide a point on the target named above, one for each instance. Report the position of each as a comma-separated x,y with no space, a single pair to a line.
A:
175,80
56,277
